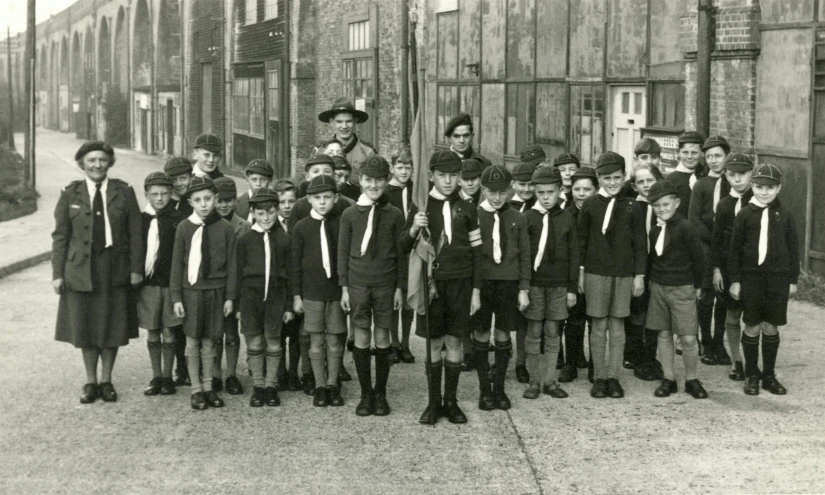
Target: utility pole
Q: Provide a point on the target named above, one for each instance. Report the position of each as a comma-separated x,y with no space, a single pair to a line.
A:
31,64
704,45
11,89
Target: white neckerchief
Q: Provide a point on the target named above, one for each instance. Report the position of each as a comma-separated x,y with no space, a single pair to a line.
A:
90,186
465,196
543,237
445,212
523,204
324,243
195,249
152,242
660,242
648,218
197,172
363,200
609,212
563,198
682,168
282,221
717,188
763,230
404,200
267,256
486,206
738,201
457,153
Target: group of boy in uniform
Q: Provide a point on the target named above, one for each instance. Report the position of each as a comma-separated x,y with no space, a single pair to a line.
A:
542,251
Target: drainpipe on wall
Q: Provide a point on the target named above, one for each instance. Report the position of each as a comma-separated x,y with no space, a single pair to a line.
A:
704,45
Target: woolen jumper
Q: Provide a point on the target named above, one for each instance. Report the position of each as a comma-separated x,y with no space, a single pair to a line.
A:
252,261
622,250
783,244
682,182
560,265
168,220
700,211
683,260
723,230
394,195
385,262
457,259
308,278
301,209
223,266
515,247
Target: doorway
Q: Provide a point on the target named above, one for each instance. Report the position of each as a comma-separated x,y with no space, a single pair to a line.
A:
629,110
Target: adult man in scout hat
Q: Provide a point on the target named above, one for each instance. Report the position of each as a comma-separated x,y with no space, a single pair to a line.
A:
343,117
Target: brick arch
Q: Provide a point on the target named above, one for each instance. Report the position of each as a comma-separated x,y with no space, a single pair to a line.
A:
104,52
143,46
120,70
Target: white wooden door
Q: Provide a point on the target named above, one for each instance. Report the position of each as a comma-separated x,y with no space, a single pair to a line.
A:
629,110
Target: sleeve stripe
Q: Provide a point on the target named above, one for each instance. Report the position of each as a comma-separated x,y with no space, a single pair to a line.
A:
474,234
475,243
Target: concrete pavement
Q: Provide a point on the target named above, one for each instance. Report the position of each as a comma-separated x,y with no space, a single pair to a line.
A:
729,443
27,240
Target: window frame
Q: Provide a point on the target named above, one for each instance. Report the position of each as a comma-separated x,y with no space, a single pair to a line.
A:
250,13
654,86
369,14
245,102
274,6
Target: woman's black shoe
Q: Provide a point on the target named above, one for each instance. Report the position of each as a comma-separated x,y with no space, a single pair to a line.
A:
107,392
381,407
365,407
90,393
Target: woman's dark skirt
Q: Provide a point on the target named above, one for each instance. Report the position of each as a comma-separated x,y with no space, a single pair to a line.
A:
103,318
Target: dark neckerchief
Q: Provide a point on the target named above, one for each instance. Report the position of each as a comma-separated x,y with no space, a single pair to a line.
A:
350,146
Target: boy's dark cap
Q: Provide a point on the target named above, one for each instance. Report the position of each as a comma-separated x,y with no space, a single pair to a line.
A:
178,165
714,141
343,105
209,142
738,162
445,161
226,188
566,158
263,195
341,163
284,185
157,179
661,189
458,120
647,146
376,166
691,137
90,146
546,175
259,166
767,174
532,155
199,184
584,173
523,172
471,168
609,162
321,183
496,178
319,159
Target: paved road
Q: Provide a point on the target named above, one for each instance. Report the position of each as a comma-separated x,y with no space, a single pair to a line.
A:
729,443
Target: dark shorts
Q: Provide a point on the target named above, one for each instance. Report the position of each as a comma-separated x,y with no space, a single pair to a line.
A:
672,308
263,317
500,298
155,311
371,305
449,313
204,313
547,303
324,317
764,297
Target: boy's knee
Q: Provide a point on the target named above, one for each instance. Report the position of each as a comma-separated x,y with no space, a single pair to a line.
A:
502,336
482,335
255,343
382,337
551,329
688,342
274,349
193,347
752,331
768,329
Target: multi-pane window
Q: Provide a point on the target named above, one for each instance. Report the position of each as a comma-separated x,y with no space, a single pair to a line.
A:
521,117
587,122
251,11
358,81
667,106
248,106
359,35
270,9
273,86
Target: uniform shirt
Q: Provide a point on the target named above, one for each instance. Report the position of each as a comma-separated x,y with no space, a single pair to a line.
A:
622,250
385,262
223,266
308,278
92,188
515,247
301,209
459,258
783,244
723,230
394,196
681,180
252,261
700,211
560,264
168,220
683,260
520,205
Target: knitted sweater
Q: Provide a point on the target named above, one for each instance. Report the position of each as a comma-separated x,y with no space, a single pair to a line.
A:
385,262
560,264
223,266
783,244
308,278
682,261
515,247
622,250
